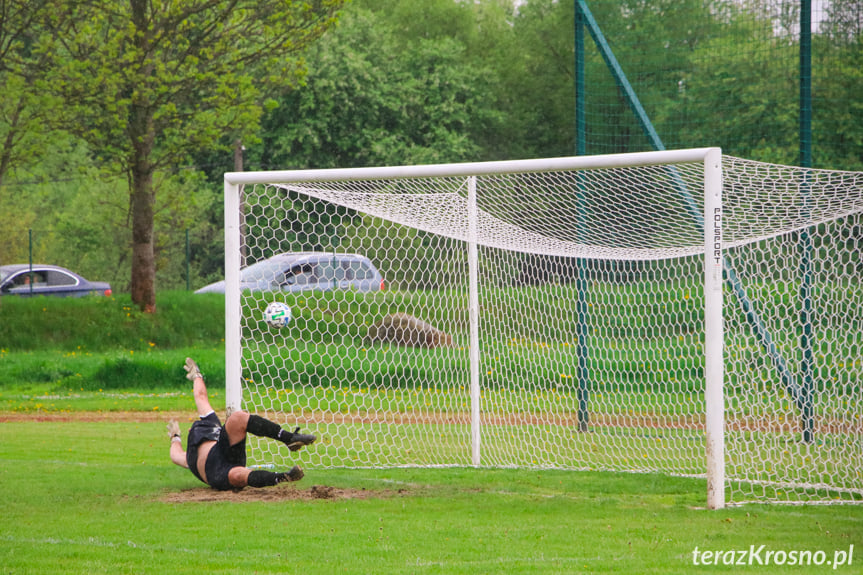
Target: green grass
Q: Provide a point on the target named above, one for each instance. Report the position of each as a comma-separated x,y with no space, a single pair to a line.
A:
642,338
90,496
100,324
84,497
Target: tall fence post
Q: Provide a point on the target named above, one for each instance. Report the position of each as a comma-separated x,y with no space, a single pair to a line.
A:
473,312
582,372
807,423
188,256
30,256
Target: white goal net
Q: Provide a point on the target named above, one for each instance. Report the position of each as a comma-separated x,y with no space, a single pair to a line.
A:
557,314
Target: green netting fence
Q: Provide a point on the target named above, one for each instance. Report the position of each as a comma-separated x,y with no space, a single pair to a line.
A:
778,81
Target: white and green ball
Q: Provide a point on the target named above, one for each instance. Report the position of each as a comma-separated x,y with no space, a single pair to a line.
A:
278,314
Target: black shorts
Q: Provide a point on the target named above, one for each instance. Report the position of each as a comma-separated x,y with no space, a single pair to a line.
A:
222,457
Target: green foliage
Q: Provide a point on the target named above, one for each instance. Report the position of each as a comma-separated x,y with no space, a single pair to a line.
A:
149,83
837,123
37,373
539,74
363,106
191,71
149,372
728,74
397,81
105,343
99,324
28,110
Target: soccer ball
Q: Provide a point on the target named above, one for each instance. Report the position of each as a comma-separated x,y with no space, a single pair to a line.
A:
277,314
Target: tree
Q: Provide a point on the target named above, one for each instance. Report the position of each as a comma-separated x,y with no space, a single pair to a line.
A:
26,109
376,94
27,112
837,82
371,99
152,81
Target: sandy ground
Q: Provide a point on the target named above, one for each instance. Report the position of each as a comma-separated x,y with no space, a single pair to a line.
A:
286,492
300,491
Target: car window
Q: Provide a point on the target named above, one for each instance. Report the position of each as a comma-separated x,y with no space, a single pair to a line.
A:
23,279
266,270
338,272
305,274
360,271
346,270
329,270
58,278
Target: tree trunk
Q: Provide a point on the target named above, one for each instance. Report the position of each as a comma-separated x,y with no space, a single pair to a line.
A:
141,134
143,257
143,201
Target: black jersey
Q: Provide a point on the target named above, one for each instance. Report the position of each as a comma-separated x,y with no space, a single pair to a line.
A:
222,457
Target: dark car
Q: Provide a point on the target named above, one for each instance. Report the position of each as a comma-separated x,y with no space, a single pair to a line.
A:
303,271
22,280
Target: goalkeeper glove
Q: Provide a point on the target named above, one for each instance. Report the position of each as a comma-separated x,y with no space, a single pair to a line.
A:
173,429
192,371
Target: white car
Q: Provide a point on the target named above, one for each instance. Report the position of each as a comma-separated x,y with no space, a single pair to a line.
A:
303,271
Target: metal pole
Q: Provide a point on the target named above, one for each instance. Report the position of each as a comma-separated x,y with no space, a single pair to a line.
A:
714,331
233,347
582,372
30,256
805,242
580,115
806,83
473,312
188,254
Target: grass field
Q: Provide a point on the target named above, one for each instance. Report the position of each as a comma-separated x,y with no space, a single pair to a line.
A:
101,496
87,486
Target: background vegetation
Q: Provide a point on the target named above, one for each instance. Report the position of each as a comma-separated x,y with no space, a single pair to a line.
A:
399,81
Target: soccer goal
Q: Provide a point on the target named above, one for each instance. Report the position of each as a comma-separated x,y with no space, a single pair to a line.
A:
676,312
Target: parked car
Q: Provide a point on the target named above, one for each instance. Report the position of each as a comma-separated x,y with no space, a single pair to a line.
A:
303,271
21,280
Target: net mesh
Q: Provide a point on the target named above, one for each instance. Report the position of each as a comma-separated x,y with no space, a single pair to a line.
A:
591,315
682,58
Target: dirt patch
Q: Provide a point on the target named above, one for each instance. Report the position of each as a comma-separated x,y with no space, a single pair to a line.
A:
276,494
598,420
88,416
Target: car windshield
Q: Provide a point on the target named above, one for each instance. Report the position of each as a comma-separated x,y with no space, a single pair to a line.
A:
3,275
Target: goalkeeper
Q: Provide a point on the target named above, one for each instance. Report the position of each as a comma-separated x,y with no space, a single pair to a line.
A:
216,453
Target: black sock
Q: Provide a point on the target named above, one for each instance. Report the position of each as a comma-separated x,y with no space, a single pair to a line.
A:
263,427
263,478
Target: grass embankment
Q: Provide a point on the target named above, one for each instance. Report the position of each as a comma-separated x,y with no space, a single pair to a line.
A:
71,347
102,354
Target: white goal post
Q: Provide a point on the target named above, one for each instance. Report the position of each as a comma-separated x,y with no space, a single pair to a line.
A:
592,312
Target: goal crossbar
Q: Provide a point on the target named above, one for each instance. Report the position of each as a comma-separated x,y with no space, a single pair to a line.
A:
473,168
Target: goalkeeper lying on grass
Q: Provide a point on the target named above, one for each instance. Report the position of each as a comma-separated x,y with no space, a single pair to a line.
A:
216,453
